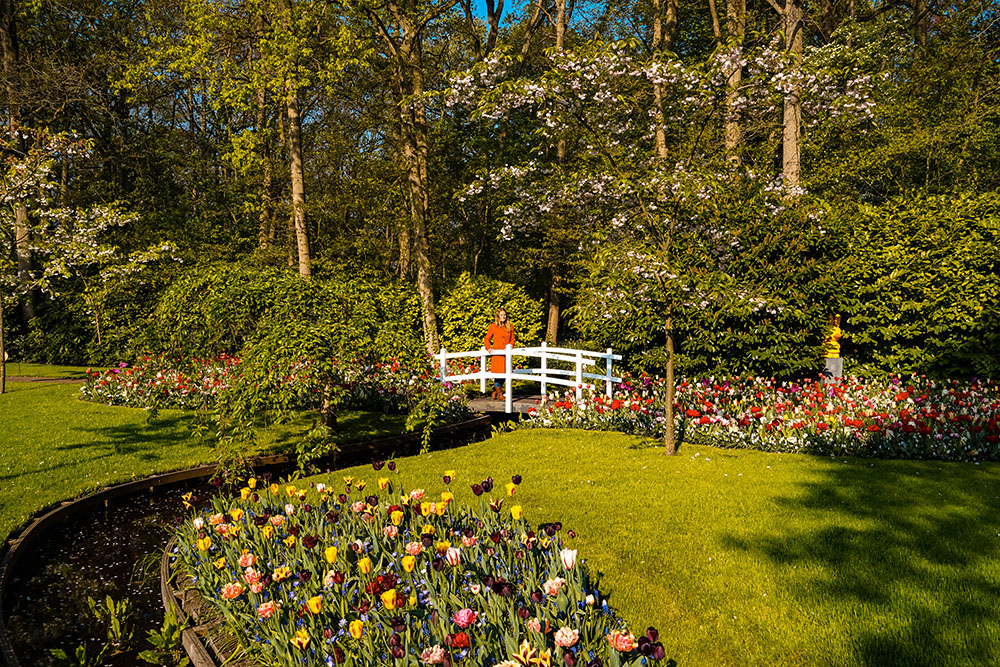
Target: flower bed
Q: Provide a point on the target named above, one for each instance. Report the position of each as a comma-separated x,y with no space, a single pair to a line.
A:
190,384
912,418
354,576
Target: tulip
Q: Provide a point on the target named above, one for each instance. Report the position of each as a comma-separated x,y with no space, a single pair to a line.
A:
281,573
463,618
356,628
315,604
232,591
245,493
274,489
396,517
383,483
290,490
515,512
365,565
389,599
453,556
289,541
477,489
568,557
252,482
408,562
267,609
511,487
204,543
301,639
220,563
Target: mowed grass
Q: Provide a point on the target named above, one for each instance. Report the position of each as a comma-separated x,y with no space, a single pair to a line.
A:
747,558
54,447
16,368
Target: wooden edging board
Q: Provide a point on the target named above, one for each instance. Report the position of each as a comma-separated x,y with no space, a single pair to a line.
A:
16,547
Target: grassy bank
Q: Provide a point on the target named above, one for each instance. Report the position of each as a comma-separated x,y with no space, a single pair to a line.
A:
747,558
55,447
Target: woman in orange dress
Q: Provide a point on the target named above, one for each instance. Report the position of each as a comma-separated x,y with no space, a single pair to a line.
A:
498,336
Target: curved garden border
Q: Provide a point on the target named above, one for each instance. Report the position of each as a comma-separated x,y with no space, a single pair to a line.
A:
449,435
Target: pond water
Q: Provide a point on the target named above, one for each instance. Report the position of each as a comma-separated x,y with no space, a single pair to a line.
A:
115,551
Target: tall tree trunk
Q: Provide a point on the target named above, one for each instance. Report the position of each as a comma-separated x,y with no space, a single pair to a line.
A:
668,401
262,127
11,71
552,324
415,150
298,182
736,27
791,125
555,270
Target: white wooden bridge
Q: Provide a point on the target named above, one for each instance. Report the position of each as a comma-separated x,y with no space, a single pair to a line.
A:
543,373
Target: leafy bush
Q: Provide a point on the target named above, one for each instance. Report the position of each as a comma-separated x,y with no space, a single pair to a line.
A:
374,573
925,278
467,310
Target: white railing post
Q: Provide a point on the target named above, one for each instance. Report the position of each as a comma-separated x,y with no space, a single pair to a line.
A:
444,365
482,371
545,368
509,371
579,376
607,388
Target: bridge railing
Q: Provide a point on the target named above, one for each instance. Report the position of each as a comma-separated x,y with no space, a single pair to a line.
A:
543,373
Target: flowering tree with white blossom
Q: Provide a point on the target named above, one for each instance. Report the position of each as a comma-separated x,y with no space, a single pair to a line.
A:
68,243
656,205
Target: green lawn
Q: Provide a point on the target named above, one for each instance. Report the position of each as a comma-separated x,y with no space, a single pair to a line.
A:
748,558
55,447
16,368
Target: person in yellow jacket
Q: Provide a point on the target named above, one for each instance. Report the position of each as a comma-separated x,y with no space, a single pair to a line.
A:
834,369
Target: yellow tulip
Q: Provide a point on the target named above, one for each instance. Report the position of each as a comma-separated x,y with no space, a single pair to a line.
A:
219,564
204,543
348,480
187,500
290,490
245,493
389,599
360,484
409,562
274,489
441,508
236,513
397,517
447,497
425,508
281,573
301,639
331,554
252,482
428,529
267,532
442,547
289,541
357,627
450,473
315,604
510,486
413,599
234,528
515,512
365,565
383,483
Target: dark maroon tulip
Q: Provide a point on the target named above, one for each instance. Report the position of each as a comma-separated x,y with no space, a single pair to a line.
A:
488,581
516,479
309,541
342,498
571,534
364,606
216,482
307,508
652,634
305,576
266,581
294,530
469,532
397,652
479,523
558,525
332,516
537,597
398,624
427,541
447,660
645,646
519,554
596,662
495,504
507,589
495,537
372,500
488,484
266,477
437,563
523,613
449,639
338,655
338,577
259,521
327,633
569,659
391,465
550,530
658,652
377,465
447,479
255,498
477,489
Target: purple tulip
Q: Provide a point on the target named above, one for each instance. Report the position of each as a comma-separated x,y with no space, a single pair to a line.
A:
391,465
477,489
377,465
652,634
516,479
523,613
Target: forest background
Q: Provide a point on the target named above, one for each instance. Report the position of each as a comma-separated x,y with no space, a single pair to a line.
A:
692,182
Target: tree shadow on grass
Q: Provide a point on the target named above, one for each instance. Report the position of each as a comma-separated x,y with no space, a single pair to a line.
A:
903,555
143,441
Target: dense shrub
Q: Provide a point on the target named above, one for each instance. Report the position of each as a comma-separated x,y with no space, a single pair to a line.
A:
467,310
925,278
